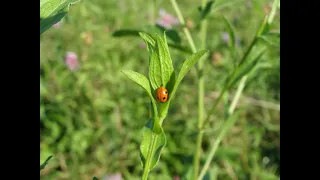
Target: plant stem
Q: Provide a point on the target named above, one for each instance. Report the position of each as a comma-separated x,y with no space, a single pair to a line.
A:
226,126
215,105
228,85
183,24
237,95
231,109
148,160
273,11
197,155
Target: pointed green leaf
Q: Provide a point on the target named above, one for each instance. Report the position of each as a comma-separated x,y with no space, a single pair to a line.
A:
226,105
221,5
247,69
172,34
138,78
232,42
166,66
180,48
271,38
154,68
147,38
45,163
224,129
186,66
125,32
95,178
160,68
151,147
229,123
150,42
206,10
143,82
52,11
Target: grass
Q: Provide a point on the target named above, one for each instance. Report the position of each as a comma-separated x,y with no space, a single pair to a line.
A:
91,119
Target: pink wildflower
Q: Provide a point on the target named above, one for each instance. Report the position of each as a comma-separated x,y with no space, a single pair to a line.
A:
57,25
166,20
176,178
113,177
142,45
71,61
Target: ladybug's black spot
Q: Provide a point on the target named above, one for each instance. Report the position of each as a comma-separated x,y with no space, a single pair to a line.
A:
164,98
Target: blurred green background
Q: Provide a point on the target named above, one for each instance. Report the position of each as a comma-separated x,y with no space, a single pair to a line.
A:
91,117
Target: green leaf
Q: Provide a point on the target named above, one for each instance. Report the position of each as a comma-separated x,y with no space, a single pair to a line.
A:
143,82
45,163
180,48
138,78
224,129
271,38
232,42
94,178
226,105
172,34
125,32
221,5
206,10
173,84
273,34
52,11
160,68
154,68
228,124
247,69
151,147
264,27
147,38
271,41
186,66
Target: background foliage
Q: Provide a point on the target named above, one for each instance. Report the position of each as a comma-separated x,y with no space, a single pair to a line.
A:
91,116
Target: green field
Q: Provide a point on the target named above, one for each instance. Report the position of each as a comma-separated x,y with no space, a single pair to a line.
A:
91,117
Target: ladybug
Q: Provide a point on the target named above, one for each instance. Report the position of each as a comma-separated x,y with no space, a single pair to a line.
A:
162,94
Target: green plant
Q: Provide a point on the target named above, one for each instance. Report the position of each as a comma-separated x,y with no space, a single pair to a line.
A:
240,71
90,119
52,11
242,68
161,73
43,165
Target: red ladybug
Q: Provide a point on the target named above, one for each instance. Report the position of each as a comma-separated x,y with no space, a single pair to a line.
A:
162,94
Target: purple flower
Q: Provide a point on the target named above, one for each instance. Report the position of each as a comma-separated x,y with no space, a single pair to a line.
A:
166,20
225,37
71,60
